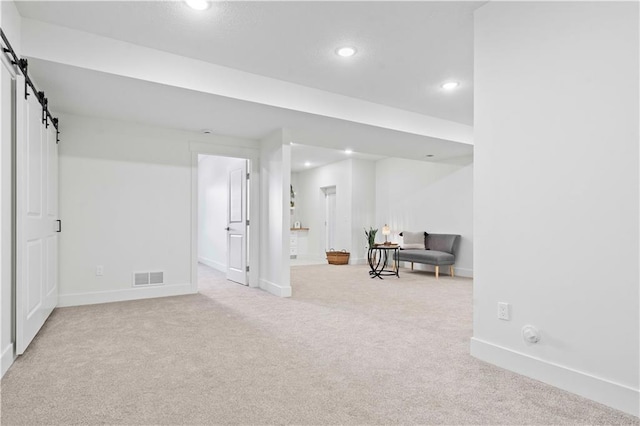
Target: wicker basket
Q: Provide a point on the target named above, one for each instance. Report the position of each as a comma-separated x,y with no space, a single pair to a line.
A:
338,257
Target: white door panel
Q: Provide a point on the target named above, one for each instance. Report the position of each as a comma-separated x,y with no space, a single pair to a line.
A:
36,215
34,159
235,196
34,261
235,252
52,173
237,228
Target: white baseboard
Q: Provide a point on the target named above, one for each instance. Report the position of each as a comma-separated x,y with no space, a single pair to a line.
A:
463,272
93,298
275,289
213,264
6,359
606,392
358,261
311,257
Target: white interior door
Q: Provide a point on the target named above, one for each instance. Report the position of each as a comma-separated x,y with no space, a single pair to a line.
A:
36,218
237,225
330,217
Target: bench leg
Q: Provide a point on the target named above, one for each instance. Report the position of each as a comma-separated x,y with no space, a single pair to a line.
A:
437,271
412,266
451,271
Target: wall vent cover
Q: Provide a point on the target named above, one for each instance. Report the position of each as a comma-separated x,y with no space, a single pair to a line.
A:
156,277
147,278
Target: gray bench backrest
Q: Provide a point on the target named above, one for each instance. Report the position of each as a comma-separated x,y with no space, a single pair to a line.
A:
443,242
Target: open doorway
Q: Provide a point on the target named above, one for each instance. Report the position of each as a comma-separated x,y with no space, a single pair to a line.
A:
329,217
223,211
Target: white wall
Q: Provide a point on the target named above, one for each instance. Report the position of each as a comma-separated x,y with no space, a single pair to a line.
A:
12,25
213,193
10,21
125,204
556,194
363,206
437,198
275,180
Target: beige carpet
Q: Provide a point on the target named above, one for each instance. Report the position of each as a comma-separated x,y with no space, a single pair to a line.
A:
345,349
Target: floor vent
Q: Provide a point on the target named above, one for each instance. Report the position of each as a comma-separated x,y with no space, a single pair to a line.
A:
147,278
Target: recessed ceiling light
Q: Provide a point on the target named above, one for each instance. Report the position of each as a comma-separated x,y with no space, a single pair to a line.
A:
429,155
207,131
346,51
307,164
348,151
198,4
450,85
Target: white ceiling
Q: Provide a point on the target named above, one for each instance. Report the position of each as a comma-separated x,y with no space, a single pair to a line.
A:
406,50
315,156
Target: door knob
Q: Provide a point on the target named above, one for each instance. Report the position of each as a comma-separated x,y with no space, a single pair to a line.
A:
227,229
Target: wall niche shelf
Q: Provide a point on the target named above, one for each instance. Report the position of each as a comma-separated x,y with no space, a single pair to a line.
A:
299,229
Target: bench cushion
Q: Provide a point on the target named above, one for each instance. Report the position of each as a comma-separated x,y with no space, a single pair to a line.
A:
430,257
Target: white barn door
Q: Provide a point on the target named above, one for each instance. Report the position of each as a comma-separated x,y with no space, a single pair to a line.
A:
37,224
237,225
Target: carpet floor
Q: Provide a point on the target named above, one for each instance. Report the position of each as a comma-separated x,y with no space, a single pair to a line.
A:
345,349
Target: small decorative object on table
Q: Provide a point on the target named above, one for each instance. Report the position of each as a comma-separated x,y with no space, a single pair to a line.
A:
371,236
292,196
386,231
338,257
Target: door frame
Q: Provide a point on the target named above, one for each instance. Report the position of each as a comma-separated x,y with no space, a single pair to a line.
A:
253,249
8,216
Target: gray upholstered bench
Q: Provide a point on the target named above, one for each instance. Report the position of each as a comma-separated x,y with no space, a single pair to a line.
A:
438,250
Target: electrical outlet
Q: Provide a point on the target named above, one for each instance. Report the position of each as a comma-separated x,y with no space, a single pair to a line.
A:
99,271
503,311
